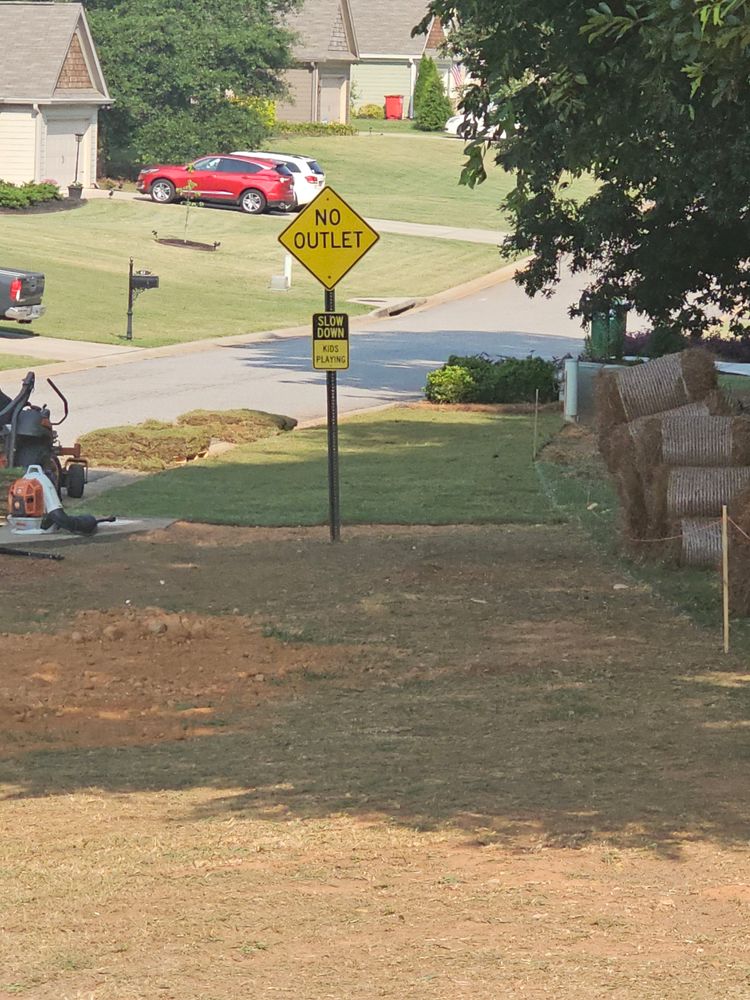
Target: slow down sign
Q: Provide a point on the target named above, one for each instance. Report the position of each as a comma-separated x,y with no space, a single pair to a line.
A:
330,341
328,238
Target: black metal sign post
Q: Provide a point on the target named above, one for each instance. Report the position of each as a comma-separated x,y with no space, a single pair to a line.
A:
328,238
129,333
332,410
138,282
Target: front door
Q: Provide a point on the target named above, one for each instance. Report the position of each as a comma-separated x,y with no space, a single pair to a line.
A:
60,155
332,97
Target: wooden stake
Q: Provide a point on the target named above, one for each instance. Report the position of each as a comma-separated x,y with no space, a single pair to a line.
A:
536,425
725,572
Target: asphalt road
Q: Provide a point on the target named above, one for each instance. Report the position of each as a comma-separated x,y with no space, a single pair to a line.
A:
389,360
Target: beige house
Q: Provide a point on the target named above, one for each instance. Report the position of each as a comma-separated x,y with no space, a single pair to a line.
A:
389,55
326,48
51,90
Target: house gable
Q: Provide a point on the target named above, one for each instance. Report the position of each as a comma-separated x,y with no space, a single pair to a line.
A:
435,36
45,64
74,74
325,32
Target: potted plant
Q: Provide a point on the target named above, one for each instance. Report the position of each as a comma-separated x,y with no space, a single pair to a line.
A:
74,190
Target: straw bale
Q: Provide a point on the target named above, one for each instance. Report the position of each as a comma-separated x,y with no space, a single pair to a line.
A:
708,440
701,492
739,554
699,374
676,493
633,511
720,403
653,387
608,407
674,381
655,500
701,542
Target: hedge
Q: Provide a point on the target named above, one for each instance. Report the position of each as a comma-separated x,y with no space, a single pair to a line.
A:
478,379
26,195
313,128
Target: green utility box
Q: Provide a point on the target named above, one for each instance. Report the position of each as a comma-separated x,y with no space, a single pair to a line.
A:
608,331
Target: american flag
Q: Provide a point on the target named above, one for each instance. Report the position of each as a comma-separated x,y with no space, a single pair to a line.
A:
457,75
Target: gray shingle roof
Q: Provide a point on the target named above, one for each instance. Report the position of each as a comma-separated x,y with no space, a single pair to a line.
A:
41,33
384,28
318,28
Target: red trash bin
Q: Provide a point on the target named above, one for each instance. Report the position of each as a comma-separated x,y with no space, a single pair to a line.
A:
394,106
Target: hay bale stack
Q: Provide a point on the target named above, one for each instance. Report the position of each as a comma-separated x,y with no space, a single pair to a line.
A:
687,436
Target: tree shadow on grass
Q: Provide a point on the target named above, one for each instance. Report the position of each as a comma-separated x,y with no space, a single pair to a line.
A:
510,760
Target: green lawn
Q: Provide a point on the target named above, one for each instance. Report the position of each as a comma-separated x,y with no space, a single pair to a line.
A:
84,255
385,125
402,466
21,361
412,176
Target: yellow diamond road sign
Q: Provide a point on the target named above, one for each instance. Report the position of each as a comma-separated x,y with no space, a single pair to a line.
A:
328,237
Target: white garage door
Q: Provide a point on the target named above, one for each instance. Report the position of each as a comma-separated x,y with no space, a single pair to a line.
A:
60,159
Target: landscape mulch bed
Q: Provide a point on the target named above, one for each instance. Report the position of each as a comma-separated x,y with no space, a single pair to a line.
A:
47,208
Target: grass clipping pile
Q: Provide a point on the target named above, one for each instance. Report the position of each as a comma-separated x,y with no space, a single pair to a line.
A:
155,445
676,452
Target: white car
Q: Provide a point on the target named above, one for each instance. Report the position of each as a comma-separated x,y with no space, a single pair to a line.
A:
307,174
456,121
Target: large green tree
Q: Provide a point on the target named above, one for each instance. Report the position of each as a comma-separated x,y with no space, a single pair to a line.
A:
651,97
171,63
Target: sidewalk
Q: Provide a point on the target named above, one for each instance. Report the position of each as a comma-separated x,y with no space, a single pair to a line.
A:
56,348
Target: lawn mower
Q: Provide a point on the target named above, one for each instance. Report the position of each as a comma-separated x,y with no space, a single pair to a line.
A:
28,437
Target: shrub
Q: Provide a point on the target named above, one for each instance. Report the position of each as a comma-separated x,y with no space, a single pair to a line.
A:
371,111
427,73
434,108
313,128
478,379
449,384
26,195
263,108
179,136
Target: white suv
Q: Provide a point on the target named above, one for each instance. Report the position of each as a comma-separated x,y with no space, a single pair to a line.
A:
307,174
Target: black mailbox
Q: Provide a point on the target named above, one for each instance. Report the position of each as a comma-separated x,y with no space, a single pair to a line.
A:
144,279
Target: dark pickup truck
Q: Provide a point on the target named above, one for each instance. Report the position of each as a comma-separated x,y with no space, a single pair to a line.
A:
21,295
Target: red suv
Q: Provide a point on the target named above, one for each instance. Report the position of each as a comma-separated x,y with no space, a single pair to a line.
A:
251,183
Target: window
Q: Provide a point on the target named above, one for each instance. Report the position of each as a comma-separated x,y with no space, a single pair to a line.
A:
207,163
229,166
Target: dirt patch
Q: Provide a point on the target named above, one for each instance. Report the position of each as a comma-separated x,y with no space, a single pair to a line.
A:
480,763
508,408
120,678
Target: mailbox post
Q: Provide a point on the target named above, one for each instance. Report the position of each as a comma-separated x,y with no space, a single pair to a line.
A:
138,281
